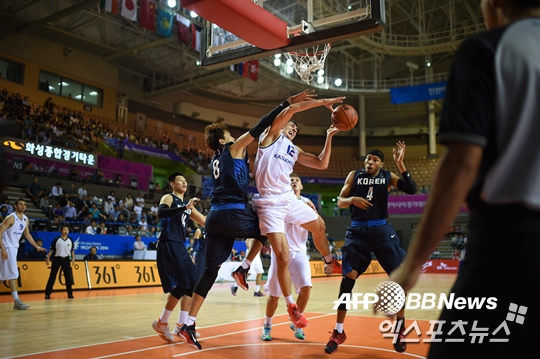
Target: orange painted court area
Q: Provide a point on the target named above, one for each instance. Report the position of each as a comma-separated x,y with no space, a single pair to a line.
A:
102,324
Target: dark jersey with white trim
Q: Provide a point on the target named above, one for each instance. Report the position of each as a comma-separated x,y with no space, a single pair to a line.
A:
374,189
492,101
174,228
230,177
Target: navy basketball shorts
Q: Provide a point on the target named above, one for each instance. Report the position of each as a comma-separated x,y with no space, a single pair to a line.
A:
175,267
223,227
361,241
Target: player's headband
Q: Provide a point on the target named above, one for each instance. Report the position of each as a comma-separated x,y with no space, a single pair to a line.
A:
376,153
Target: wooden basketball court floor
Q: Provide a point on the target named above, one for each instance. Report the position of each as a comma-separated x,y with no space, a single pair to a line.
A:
116,324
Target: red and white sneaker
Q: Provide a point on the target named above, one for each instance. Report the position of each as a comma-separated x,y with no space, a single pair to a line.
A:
296,317
336,339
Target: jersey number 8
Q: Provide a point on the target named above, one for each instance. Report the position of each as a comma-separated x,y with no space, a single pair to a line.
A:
215,168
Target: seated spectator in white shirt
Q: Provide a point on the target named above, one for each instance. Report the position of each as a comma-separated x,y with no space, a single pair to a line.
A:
138,211
128,203
108,207
143,225
56,191
139,245
140,199
91,229
154,208
82,191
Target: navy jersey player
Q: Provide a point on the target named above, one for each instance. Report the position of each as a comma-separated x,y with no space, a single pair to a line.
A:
229,216
176,270
366,192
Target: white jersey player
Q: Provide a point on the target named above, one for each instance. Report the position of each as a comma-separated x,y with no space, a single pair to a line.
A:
298,267
11,230
276,204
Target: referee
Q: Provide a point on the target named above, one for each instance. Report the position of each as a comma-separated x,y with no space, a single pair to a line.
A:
63,252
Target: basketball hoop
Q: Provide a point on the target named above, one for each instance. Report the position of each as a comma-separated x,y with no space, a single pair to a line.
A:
307,62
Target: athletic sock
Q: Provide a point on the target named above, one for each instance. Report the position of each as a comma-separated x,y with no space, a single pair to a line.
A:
190,320
257,288
164,319
339,327
328,258
15,295
246,263
268,320
182,317
289,299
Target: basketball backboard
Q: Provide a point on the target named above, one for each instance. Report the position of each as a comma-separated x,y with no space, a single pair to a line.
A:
309,23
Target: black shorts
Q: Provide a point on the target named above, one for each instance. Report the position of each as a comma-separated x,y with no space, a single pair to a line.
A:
361,241
223,227
500,262
175,266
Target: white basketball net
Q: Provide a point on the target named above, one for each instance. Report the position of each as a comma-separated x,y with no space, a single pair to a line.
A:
307,62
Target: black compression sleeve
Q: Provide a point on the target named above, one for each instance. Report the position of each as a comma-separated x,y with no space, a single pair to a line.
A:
266,120
164,211
406,183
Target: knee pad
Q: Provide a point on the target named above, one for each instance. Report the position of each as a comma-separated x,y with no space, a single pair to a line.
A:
177,292
206,281
347,285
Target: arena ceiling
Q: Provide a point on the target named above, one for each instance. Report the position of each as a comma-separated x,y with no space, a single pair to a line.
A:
417,31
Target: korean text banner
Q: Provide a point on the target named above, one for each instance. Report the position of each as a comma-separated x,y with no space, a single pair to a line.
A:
427,92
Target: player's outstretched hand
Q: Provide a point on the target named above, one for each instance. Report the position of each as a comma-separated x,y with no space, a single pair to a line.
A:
306,95
41,249
191,202
329,102
399,154
332,130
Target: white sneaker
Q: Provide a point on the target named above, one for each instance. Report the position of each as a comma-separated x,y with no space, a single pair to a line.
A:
19,305
176,330
163,330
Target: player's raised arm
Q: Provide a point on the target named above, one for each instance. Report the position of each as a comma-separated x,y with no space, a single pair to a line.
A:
266,121
321,161
287,114
406,183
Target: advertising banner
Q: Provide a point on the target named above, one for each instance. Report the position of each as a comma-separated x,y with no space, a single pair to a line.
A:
440,266
427,92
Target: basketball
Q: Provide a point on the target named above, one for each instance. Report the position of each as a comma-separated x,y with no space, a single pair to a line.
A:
344,117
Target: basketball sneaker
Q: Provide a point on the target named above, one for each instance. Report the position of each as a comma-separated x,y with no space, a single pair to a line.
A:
163,330
190,335
176,330
240,276
332,268
266,333
400,345
234,289
259,294
298,332
19,305
336,339
296,317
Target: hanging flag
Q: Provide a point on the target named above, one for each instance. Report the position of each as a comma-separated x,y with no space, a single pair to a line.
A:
165,21
148,15
129,9
183,28
110,6
196,37
253,70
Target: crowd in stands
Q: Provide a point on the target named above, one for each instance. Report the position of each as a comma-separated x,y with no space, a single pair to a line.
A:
50,124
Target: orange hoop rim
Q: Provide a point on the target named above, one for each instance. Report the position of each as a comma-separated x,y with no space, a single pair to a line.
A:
326,49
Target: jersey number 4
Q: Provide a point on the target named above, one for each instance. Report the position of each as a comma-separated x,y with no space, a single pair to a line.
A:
215,168
369,195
